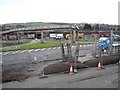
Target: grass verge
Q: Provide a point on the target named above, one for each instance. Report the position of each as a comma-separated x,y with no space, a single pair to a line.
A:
39,45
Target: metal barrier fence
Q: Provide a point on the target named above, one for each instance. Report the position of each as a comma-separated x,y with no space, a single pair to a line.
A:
28,57
41,55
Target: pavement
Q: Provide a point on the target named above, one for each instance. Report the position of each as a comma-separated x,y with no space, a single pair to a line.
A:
85,78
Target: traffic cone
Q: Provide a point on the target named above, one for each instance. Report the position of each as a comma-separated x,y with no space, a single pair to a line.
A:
99,66
71,70
105,51
1,63
118,63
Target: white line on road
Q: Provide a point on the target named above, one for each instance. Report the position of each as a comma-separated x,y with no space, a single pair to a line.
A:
30,50
37,49
49,48
23,51
6,53
58,47
15,52
54,48
43,49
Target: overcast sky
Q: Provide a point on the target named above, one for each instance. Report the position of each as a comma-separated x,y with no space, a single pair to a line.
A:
68,11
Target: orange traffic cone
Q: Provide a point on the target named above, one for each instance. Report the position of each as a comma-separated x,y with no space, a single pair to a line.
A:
71,70
99,66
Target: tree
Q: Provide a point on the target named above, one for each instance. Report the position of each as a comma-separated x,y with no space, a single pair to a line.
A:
87,27
97,27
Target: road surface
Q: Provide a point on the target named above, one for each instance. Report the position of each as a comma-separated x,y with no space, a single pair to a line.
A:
85,78
22,56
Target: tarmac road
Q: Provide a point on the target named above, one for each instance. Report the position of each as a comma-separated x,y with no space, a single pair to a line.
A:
23,56
85,78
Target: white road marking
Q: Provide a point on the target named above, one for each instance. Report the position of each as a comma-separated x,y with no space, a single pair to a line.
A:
6,53
15,52
49,48
54,48
30,50
23,51
43,49
37,49
58,47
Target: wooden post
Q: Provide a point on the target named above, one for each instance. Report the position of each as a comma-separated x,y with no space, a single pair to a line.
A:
100,49
76,56
95,45
62,51
111,42
77,51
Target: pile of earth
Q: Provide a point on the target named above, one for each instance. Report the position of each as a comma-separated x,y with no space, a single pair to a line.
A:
14,73
19,74
65,66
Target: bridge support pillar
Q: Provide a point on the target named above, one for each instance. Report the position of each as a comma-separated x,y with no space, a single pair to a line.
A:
6,38
18,38
42,37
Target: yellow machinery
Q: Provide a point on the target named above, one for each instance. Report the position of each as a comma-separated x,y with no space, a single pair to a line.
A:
71,35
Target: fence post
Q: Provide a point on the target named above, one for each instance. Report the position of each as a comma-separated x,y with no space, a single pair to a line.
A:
95,45
111,42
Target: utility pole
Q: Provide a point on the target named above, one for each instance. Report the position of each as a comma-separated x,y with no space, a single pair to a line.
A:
62,51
